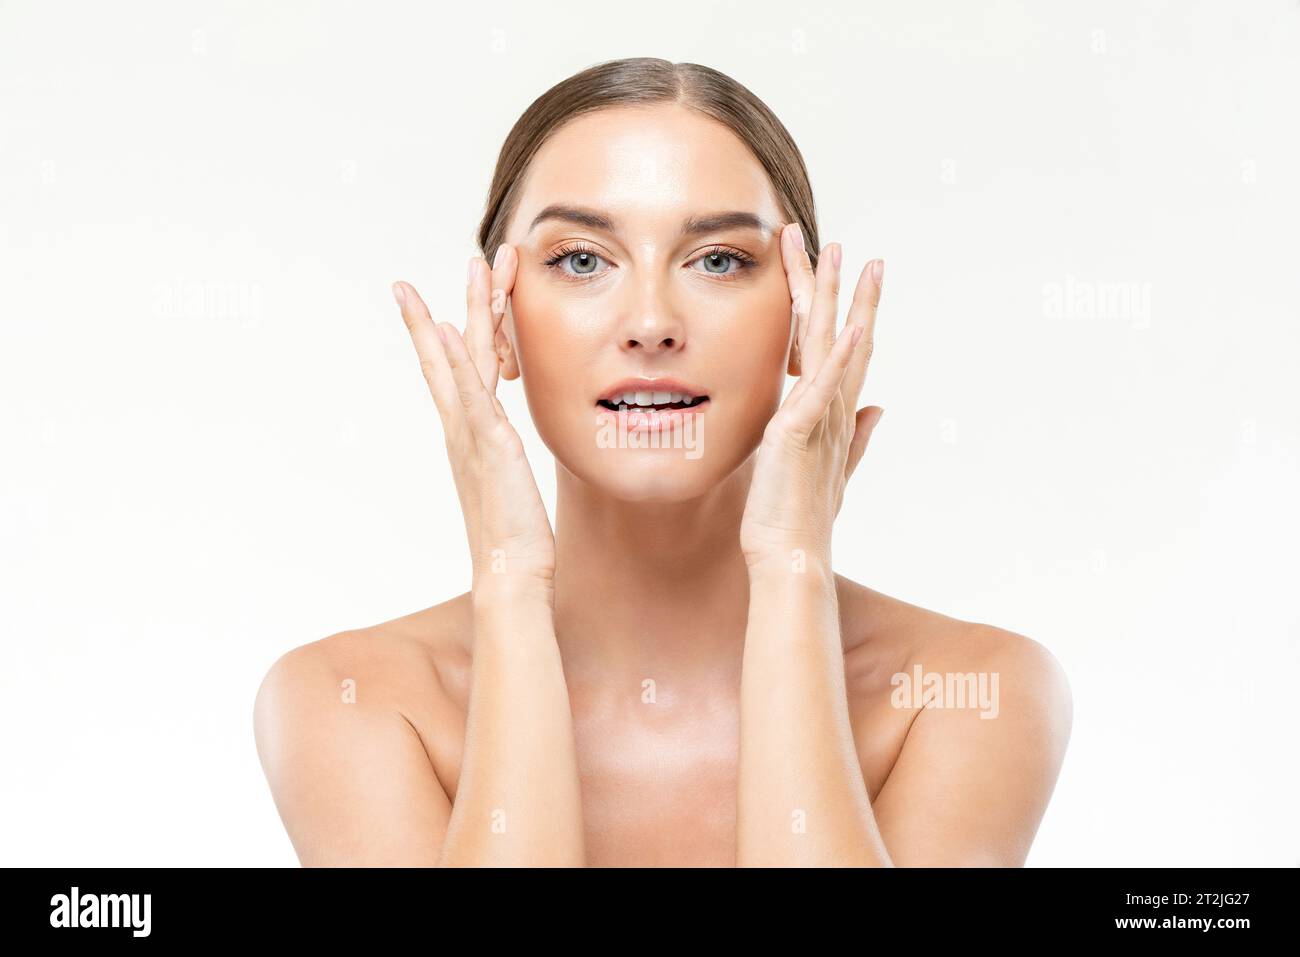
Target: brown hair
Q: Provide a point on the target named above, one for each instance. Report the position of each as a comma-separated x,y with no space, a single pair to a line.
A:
640,81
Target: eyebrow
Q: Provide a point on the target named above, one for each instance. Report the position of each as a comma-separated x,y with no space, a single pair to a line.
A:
691,226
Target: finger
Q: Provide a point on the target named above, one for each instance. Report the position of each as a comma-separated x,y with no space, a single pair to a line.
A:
824,311
477,314
479,327
864,424
811,404
505,266
816,323
433,360
482,325
480,410
801,280
862,311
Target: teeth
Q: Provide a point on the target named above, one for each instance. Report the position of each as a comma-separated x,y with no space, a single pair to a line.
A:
648,398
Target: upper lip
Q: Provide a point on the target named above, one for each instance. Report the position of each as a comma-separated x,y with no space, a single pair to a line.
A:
661,384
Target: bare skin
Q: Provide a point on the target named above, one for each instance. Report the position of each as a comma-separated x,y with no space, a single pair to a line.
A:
632,641
659,780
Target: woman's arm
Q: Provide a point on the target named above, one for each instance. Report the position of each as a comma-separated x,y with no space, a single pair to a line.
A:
801,798
519,803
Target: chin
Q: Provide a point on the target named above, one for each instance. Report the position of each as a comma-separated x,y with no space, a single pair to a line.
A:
666,475
651,476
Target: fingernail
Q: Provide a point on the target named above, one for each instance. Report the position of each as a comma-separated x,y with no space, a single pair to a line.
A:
471,270
835,255
878,271
798,236
857,334
399,293
496,259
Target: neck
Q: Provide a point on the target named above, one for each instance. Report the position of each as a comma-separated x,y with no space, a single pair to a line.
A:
647,589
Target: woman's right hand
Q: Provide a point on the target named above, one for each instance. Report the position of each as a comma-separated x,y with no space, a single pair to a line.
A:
510,537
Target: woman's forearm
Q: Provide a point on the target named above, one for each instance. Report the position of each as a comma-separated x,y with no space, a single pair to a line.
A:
801,799
518,802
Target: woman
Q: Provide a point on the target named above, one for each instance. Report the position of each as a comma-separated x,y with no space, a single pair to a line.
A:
675,675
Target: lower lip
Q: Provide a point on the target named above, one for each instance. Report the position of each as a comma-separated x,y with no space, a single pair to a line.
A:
654,420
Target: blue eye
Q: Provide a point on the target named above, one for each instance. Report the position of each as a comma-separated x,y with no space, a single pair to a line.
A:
711,260
581,260
718,260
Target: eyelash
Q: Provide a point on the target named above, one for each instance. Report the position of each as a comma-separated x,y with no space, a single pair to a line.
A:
743,259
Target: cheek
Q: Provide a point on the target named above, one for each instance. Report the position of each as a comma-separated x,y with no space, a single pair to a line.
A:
538,331
549,345
753,337
553,332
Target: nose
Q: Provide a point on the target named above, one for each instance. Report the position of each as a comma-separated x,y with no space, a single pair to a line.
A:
650,322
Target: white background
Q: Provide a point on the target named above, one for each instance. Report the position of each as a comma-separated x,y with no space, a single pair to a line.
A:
217,444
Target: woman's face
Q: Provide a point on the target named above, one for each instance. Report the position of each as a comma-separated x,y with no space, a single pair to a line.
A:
622,278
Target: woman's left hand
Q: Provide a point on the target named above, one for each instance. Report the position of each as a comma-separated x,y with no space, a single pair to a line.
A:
812,444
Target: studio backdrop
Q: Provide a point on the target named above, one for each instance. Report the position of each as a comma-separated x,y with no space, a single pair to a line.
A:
217,445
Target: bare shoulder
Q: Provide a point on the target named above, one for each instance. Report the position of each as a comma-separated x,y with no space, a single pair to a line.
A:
883,630
384,662
342,731
958,787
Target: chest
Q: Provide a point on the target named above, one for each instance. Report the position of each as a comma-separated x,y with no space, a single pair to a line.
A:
659,788
659,769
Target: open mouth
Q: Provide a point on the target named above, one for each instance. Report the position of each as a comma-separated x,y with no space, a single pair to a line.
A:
652,402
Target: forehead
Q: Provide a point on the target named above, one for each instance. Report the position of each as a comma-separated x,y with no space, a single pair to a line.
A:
648,166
